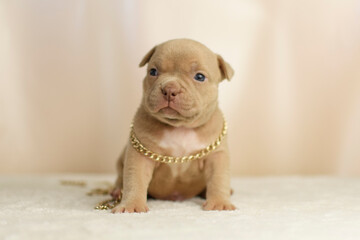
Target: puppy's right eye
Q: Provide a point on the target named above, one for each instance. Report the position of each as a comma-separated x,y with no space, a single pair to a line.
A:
153,72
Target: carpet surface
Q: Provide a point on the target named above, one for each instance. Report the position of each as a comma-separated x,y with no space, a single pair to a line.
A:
39,207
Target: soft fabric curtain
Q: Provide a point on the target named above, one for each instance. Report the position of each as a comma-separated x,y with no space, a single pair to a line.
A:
70,82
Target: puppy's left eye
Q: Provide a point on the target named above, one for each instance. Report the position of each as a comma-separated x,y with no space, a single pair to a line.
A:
199,77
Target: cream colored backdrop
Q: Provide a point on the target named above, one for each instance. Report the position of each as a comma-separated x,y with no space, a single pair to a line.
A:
69,81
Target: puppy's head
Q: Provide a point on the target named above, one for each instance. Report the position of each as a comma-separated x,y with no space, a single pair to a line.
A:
181,84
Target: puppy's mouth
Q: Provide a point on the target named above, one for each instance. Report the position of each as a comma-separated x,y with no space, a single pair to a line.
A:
172,112
169,113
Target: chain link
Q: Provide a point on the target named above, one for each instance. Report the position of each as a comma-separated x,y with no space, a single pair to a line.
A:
170,159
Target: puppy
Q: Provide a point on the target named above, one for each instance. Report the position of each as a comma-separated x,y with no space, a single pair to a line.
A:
178,116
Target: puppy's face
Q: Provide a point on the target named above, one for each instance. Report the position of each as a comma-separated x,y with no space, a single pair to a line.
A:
181,85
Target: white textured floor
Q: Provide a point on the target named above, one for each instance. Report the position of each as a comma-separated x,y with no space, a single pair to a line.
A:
268,208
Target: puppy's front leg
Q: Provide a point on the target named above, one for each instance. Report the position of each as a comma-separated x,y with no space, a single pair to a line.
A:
137,175
218,182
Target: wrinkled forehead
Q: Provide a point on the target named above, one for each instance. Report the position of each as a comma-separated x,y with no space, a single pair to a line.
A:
184,57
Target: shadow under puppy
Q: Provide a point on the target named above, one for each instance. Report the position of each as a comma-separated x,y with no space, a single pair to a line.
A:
179,116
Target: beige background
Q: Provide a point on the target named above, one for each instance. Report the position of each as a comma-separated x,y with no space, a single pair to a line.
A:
69,81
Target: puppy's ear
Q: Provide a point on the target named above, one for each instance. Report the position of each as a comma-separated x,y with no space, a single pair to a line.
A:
226,70
147,57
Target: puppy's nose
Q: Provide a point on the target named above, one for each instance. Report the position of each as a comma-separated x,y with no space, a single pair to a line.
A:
170,91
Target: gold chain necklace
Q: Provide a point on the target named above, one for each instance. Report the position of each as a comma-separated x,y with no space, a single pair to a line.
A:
170,159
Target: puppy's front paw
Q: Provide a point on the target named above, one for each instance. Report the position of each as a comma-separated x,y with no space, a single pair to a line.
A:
218,205
130,208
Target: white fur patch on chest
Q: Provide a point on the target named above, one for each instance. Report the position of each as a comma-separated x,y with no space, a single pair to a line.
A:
181,142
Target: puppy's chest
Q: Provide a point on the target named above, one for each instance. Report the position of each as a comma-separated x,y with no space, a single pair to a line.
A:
178,143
